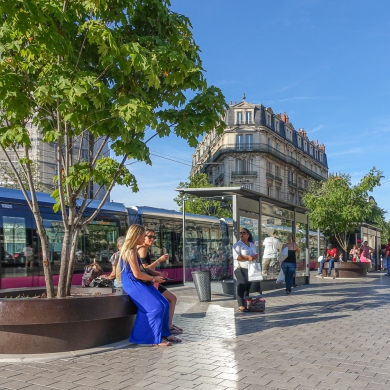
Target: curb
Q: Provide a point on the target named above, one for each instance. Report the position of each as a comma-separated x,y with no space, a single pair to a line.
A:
9,358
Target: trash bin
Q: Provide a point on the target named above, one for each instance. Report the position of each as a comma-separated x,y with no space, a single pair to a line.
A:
202,281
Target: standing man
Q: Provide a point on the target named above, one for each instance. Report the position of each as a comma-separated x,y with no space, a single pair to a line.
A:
29,255
270,256
387,256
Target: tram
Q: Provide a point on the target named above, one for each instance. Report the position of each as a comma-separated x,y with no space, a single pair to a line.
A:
18,230
208,240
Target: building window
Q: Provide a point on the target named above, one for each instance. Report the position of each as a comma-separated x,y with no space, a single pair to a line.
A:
278,193
239,117
269,167
248,117
249,165
277,171
239,142
276,125
299,141
268,120
277,147
306,184
269,191
248,141
289,134
320,157
311,150
305,146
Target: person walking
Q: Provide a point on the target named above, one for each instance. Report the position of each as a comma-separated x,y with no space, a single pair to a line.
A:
289,265
152,320
150,266
270,256
244,252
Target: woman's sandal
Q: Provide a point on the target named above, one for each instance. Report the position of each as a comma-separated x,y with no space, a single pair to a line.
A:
177,328
164,343
174,330
172,339
242,310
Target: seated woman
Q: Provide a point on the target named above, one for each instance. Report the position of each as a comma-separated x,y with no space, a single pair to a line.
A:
147,263
152,320
354,253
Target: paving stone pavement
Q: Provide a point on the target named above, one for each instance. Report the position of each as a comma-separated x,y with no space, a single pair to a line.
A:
331,334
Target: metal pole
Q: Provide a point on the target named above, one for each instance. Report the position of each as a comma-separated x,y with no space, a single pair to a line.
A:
184,241
318,243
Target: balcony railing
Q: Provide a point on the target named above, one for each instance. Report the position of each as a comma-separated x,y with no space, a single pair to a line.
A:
269,175
279,179
292,183
264,148
244,173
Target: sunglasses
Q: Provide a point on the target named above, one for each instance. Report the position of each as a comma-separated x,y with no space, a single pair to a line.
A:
243,233
151,237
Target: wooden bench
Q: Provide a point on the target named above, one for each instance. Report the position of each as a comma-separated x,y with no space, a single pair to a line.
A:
347,269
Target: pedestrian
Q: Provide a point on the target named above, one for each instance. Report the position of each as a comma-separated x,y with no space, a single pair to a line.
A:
151,324
289,265
387,256
331,257
365,252
115,258
150,266
354,253
244,252
29,256
270,256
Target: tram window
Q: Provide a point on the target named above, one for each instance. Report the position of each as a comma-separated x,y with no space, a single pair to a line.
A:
14,233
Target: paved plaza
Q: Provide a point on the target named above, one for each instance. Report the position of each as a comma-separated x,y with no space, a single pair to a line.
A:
331,334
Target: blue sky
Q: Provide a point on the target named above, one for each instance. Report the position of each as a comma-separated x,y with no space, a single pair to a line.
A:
326,63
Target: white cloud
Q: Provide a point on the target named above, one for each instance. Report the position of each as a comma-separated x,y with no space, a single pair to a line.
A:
317,128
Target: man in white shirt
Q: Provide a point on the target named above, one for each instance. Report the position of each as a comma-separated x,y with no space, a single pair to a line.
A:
270,255
29,255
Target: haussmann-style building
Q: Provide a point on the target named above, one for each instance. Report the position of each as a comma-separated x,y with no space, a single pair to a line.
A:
261,151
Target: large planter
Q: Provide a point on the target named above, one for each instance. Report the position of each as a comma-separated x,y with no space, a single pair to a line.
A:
41,325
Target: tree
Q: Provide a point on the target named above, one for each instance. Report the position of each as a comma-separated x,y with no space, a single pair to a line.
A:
204,206
90,74
337,207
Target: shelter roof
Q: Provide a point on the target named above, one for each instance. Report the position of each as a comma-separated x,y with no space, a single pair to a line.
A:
213,192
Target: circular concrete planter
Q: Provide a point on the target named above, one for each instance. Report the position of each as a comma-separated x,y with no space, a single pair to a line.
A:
41,325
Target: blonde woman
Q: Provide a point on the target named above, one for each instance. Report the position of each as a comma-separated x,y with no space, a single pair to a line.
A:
150,265
152,321
289,265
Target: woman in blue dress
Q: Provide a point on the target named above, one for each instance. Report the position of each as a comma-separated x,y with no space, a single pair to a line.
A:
152,320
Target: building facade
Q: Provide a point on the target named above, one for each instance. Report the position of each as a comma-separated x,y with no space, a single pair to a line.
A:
261,150
44,157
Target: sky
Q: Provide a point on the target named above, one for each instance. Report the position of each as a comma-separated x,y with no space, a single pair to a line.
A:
326,63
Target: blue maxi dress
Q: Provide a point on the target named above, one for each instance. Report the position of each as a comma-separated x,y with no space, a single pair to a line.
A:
152,319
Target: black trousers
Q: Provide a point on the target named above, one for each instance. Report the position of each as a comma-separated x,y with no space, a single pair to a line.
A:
243,285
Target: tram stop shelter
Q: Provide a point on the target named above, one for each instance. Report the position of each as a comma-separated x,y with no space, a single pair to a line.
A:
263,215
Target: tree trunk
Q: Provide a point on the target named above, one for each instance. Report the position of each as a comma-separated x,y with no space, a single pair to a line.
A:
72,260
45,249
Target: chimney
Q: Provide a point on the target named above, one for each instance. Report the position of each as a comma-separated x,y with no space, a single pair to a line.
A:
285,118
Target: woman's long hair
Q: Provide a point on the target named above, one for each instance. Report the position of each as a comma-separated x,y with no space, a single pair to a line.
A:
250,237
290,238
132,235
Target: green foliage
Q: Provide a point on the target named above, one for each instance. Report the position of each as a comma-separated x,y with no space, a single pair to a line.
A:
202,206
110,68
90,73
337,207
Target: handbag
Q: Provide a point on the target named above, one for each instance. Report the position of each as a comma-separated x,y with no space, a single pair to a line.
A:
283,254
254,303
102,282
281,277
254,272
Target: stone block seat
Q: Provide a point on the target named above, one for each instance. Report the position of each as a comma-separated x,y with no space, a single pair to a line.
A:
347,270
